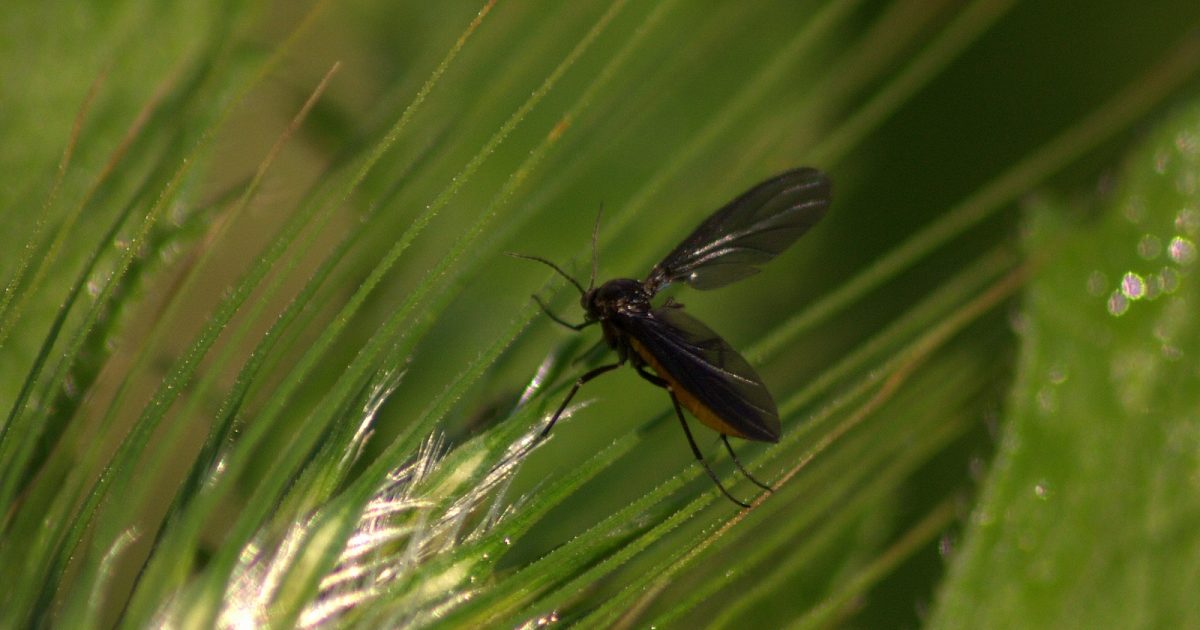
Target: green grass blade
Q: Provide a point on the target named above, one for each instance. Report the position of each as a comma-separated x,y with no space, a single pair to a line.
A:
1088,518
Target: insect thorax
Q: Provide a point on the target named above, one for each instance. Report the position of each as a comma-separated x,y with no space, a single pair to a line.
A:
621,296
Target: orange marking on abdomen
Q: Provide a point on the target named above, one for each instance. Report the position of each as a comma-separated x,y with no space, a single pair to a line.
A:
689,401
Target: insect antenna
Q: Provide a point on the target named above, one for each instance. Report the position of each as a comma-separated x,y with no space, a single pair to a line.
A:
552,266
595,256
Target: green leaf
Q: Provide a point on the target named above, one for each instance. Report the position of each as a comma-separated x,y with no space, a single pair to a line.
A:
1090,516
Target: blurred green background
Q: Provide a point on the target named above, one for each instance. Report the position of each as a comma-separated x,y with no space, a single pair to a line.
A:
985,155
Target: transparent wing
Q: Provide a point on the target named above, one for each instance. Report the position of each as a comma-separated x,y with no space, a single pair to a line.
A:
709,372
750,230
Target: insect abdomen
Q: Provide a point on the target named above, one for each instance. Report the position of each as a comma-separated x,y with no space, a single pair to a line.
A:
701,411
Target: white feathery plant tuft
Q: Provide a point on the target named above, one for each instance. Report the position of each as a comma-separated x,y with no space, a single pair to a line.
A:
419,512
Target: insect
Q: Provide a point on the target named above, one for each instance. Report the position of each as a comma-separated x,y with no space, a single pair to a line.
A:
699,370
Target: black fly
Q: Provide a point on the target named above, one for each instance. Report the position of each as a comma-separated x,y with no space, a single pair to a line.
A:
699,370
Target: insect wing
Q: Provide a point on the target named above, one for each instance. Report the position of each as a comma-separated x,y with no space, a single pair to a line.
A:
747,232
710,378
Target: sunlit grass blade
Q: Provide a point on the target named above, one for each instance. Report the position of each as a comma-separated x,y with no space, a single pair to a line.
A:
173,384
18,287
29,423
260,429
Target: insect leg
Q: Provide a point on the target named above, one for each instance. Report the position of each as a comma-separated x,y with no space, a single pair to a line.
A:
696,449
558,320
574,388
653,379
725,438
738,463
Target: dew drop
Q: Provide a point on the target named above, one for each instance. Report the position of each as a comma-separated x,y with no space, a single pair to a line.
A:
1182,251
1133,286
1149,247
1018,322
1047,399
1135,209
1162,160
1058,374
1117,304
1096,283
1188,143
945,545
1187,183
70,387
1188,221
1168,279
977,469
1153,287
